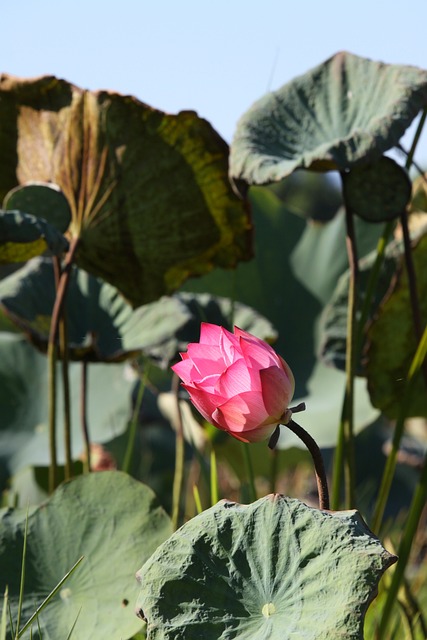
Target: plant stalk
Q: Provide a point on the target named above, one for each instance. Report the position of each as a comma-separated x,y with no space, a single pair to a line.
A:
83,417
178,480
319,467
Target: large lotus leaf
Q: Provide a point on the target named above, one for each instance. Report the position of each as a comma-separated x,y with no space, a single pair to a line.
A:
149,194
392,343
42,200
345,111
101,325
273,569
111,520
24,404
23,236
320,256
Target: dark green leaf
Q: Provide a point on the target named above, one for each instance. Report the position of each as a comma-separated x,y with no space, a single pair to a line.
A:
42,200
149,193
392,343
345,111
273,569
378,191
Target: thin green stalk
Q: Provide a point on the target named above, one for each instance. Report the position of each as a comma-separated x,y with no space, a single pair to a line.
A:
178,479
350,364
214,478
53,468
22,582
390,466
197,500
83,416
64,355
127,461
3,624
48,598
404,550
61,292
249,471
274,468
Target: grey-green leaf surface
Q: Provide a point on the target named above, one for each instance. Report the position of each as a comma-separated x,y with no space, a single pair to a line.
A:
273,569
113,521
102,326
345,111
44,200
24,401
23,236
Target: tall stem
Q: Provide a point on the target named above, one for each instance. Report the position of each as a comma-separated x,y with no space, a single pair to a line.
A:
350,362
178,480
52,354
83,416
249,471
127,461
319,467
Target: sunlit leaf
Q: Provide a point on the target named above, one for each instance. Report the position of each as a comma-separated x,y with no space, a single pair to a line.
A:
346,110
149,193
273,569
111,520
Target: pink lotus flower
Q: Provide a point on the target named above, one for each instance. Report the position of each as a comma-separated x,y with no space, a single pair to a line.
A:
237,382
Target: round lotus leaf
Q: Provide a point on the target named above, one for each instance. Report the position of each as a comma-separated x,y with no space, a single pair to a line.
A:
392,343
111,520
378,191
149,194
273,569
345,111
42,200
23,236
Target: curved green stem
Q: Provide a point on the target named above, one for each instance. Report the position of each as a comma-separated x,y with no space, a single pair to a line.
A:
319,467
83,416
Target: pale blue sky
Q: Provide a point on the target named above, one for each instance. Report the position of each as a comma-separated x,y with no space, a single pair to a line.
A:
215,57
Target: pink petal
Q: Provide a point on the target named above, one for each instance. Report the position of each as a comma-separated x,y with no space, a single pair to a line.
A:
206,403
229,346
206,358
256,435
277,391
241,413
209,333
237,379
185,370
256,355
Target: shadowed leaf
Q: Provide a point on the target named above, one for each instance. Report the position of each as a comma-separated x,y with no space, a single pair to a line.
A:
149,194
23,236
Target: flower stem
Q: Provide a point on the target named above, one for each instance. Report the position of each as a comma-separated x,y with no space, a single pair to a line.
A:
319,467
83,416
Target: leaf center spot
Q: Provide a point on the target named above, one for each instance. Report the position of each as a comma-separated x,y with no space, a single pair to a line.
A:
65,594
268,610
